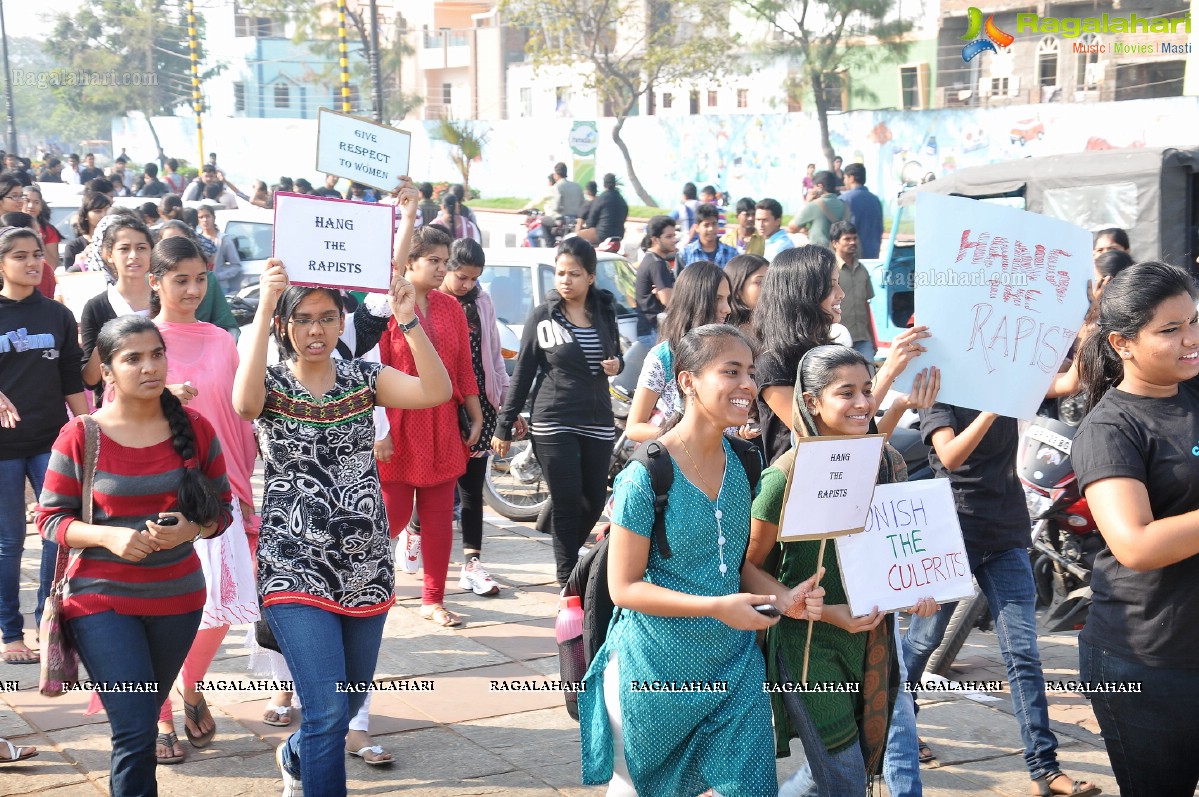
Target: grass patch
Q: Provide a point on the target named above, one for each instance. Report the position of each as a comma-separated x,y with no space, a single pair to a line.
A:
499,203
643,212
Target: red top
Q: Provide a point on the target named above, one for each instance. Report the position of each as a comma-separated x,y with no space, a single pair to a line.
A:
49,236
428,444
131,485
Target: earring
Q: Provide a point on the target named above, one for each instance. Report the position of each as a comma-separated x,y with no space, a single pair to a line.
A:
1125,354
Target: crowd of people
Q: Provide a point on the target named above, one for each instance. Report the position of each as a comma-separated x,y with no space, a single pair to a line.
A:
374,416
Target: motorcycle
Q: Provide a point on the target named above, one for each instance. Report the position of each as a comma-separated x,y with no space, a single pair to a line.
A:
544,230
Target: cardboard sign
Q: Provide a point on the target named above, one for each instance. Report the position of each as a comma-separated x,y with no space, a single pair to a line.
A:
910,549
1003,292
334,243
77,287
361,150
830,487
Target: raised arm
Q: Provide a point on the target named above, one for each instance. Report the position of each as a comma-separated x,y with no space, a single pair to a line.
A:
249,385
431,385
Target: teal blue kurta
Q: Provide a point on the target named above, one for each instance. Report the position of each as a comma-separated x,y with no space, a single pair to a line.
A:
680,743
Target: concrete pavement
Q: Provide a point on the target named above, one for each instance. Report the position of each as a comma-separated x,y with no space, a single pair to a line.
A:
465,738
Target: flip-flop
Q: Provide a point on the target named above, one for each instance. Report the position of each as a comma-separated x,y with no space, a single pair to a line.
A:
16,752
194,713
926,752
282,716
1078,788
21,656
441,616
375,750
169,740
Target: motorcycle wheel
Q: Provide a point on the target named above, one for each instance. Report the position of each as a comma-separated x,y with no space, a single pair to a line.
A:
960,625
1042,576
515,498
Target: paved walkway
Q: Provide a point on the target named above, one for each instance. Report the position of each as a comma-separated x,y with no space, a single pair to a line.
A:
463,738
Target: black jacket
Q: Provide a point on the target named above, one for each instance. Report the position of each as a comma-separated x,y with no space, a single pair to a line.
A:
567,392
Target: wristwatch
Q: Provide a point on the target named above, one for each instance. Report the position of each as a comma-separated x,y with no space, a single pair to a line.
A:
411,325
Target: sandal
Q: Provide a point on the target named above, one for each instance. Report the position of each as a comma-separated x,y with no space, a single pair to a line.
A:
279,716
21,655
373,755
170,741
16,752
440,615
194,715
1078,788
926,752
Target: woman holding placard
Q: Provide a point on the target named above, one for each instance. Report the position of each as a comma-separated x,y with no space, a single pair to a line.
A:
834,396
689,617
1137,460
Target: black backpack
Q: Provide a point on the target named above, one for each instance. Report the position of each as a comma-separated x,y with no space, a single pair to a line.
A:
589,579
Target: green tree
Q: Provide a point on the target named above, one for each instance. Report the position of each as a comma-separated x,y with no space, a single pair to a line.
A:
832,37
468,143
627,49
139,51
41,114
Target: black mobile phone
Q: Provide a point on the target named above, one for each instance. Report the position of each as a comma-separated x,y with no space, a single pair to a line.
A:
768,610
169,520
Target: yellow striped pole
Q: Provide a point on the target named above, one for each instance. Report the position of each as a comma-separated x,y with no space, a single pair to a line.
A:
343,55
197,105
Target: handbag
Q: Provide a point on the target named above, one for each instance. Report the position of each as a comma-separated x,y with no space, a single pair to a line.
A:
60,659
263,634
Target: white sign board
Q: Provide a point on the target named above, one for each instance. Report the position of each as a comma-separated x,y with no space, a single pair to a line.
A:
77,287
829,491
910,549
1003,292
361,150
334,243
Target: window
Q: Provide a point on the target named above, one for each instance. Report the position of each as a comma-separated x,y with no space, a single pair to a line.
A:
1089,72
742,98
447,95
667,100
526,102
282,95
1047,51
712,98
694,103
913,86
239,96
835,91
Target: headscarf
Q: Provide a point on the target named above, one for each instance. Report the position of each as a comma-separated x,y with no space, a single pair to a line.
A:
95,260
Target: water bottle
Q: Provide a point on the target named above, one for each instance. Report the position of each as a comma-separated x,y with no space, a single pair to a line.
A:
568,629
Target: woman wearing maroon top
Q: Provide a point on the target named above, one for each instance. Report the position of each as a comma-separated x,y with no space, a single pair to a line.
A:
36,207
429,448
135,590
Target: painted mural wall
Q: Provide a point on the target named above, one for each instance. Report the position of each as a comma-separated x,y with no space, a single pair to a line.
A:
746,155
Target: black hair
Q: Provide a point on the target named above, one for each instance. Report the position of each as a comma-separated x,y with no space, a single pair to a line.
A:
693,302
116,180
657,225
124,221
789,320
189,216
83,225
151,170
9,237
425,238
739,270
286,308
816,371
10,182
285,184
208,168
857,171
43,215
1128,304
840,228
1112,262
581,251
771,206
689,191
610,181
451,203
591,187
18,218
826,180
171,206
303,185
708,189
149,210
199,499
177,224
747,205
1119,237
458,190
99,185
696,350
426,190
173,164
560,169
214,190
166,257
706,211
466,252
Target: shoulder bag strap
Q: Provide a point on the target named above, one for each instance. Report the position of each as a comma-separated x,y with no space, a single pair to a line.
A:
91,455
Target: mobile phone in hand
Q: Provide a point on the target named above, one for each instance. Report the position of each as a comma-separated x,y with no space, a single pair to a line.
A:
768,610
169,520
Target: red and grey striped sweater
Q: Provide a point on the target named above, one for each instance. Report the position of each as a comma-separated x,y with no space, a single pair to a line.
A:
131,486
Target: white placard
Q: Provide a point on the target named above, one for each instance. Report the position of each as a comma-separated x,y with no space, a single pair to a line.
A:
1003,292
360,150
76,287
829,491
334,243
910,549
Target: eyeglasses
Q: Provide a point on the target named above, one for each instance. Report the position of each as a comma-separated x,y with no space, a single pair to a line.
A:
14,196
326,322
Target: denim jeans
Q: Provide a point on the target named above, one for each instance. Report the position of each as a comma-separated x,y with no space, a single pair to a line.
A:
649,339
1152,737
901,766
1005,577
844,773
324,650
119,648
13,473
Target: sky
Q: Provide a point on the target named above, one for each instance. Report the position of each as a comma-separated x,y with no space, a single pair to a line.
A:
28,19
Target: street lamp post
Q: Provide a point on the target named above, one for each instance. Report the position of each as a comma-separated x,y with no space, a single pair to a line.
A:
12,111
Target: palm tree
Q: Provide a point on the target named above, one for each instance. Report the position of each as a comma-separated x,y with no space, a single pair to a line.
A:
467,143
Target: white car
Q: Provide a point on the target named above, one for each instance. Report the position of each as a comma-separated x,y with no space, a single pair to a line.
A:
252,229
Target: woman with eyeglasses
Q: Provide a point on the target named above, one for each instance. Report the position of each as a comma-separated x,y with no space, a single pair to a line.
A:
12,193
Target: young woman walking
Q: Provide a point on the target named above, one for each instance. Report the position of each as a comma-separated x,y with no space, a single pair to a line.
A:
135,592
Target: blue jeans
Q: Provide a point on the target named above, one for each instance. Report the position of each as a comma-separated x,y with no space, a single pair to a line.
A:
118,648
13,473
649,339
1152,737
324,651
1005,577
901,766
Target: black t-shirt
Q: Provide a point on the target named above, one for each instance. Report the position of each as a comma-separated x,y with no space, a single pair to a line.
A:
986,489
608,214
653,274
771,371
1147,617
89,173
154,188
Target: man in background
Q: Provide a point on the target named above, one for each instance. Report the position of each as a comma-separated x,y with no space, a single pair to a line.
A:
866,210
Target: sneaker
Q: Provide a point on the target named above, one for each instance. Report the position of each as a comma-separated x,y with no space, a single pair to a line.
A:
476,578
409,543
291,784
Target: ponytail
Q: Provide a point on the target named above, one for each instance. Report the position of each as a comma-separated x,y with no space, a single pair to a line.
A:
199,500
